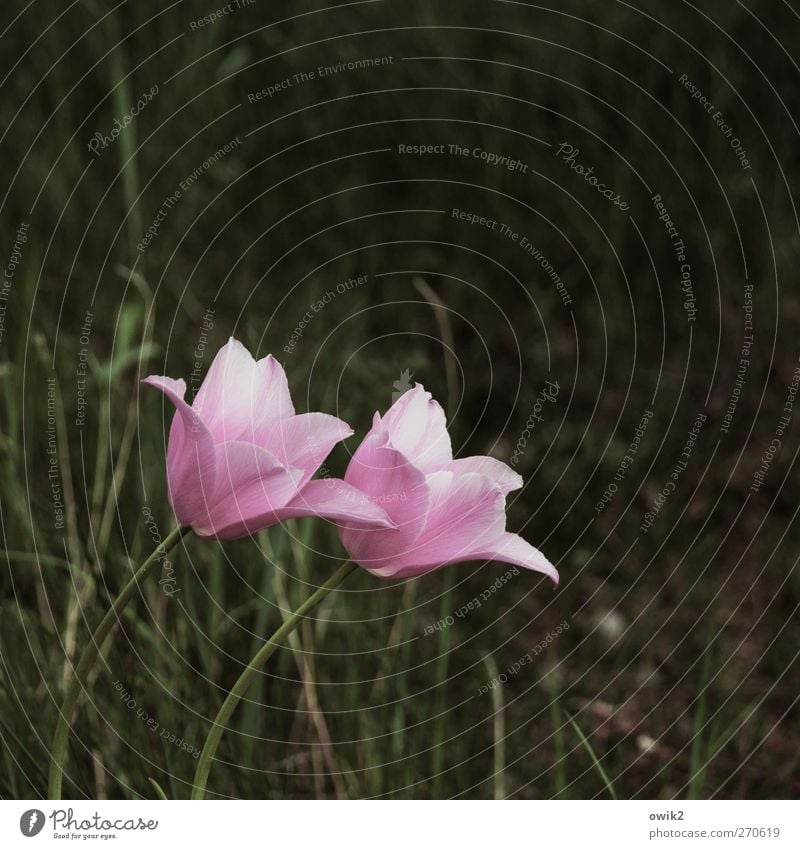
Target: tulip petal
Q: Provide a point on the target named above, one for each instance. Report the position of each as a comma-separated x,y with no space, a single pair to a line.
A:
191,462
512,548
498,472
304,441
389,480
466,515
417,428
332,498
277,400
251,484
239,394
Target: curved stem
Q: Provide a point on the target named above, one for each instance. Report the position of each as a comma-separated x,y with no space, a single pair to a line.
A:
74,686
259,659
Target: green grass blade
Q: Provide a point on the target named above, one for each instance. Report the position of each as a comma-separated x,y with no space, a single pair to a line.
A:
595,760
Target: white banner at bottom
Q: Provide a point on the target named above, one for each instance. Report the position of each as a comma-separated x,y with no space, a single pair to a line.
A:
402,824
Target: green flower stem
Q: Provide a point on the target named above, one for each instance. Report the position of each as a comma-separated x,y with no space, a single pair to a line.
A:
259,659
75,684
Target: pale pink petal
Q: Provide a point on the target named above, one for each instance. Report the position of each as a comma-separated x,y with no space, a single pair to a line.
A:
304,441
251,484
228,399
331,498
466,515
498,472
512,548
389,480
238,394
417,428
276,399
191,463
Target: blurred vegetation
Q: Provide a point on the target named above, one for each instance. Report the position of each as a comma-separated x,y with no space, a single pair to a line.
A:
678,673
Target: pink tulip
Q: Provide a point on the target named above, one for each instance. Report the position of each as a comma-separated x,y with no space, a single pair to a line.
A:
446,511
240,460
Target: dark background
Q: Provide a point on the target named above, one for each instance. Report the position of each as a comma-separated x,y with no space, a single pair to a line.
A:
678,672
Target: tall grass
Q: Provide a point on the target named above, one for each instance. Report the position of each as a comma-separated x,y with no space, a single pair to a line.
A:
362,703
